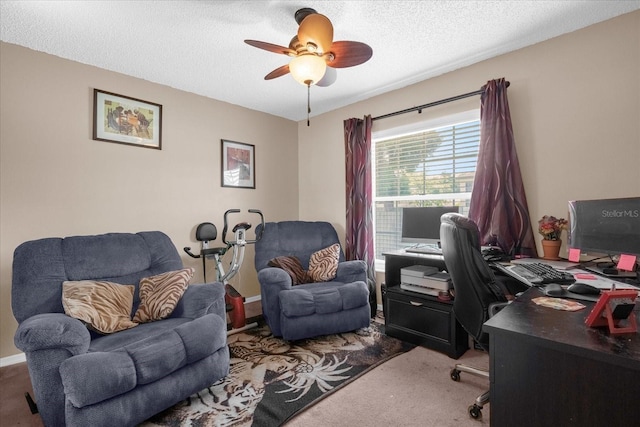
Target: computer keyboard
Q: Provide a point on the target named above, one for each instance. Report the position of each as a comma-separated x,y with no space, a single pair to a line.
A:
538,273
424,250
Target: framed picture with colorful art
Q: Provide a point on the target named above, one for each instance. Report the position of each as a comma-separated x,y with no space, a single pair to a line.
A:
238,165
125,120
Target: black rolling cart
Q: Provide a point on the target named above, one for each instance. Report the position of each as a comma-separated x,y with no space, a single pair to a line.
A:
418,318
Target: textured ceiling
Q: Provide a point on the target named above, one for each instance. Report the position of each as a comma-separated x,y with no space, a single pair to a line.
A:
197,46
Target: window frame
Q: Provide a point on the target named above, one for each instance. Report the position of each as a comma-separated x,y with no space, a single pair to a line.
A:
409,129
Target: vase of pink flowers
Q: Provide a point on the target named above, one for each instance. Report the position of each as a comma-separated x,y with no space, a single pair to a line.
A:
551,228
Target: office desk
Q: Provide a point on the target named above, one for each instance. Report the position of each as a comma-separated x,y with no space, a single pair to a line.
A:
549,369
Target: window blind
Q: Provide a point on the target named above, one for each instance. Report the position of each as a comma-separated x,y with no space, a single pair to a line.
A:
435,167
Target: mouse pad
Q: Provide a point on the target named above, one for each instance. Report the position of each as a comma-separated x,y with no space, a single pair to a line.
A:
581,297
571,295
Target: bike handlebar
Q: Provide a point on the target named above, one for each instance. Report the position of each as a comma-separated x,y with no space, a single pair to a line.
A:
243,225
258,235
191,254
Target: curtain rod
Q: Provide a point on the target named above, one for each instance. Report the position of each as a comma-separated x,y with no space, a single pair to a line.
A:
419,108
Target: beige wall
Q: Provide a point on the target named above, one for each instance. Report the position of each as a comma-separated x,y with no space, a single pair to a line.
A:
56,181
575,107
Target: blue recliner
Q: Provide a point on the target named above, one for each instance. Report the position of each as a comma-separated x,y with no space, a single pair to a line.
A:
82,378
306,310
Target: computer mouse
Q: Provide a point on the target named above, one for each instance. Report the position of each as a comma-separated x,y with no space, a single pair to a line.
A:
553,290
583,289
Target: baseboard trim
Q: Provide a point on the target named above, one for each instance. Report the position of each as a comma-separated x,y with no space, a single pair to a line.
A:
253,298
12,360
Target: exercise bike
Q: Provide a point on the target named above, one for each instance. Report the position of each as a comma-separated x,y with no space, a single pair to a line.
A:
207,232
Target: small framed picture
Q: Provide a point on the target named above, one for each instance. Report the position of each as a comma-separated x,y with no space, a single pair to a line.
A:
238,165
125,120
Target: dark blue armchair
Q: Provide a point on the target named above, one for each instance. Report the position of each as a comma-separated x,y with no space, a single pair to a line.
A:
306,310
82,378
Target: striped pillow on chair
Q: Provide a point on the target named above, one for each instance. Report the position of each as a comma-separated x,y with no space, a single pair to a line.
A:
160,294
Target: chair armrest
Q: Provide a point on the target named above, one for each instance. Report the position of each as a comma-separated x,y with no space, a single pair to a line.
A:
352,271
495,307
201,299
52,331
276,279
273,280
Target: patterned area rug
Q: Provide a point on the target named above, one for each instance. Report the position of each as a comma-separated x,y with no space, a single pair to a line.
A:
271,380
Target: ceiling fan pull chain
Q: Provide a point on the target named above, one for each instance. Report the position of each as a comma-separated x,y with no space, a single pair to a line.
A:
308,101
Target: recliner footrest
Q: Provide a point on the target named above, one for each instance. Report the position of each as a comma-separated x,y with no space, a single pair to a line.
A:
323,300
93,377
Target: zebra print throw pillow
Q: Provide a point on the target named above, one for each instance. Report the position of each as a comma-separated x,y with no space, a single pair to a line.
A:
323,264
160,294
104,307
291,265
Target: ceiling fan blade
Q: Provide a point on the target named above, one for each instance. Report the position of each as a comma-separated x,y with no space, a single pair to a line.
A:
271,47
280,71
349,54
329,78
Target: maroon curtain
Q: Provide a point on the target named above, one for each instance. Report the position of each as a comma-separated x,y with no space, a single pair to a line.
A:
359,193
498,201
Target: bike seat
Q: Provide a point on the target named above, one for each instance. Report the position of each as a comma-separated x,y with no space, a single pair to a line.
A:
241,226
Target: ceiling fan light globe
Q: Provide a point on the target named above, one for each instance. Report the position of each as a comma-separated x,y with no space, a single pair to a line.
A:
316,29
307,69
329,78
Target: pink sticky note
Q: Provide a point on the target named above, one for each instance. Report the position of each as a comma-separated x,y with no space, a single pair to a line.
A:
574,255
626,262
584,276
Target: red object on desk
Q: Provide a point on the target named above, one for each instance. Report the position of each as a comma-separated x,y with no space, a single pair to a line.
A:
584,276
574,255
626,262
604,312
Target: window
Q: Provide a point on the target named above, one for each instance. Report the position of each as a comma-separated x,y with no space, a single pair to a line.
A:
429,164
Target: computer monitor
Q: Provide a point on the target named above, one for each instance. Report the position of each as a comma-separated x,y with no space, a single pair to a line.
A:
422,224
605,226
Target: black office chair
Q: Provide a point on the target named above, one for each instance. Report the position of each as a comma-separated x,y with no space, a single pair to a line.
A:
477,293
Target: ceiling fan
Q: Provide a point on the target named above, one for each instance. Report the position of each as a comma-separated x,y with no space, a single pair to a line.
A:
315,55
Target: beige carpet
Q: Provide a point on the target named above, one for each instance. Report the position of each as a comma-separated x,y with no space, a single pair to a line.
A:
412,389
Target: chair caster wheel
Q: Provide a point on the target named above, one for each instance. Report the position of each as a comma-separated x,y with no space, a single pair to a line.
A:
475,412
455,374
